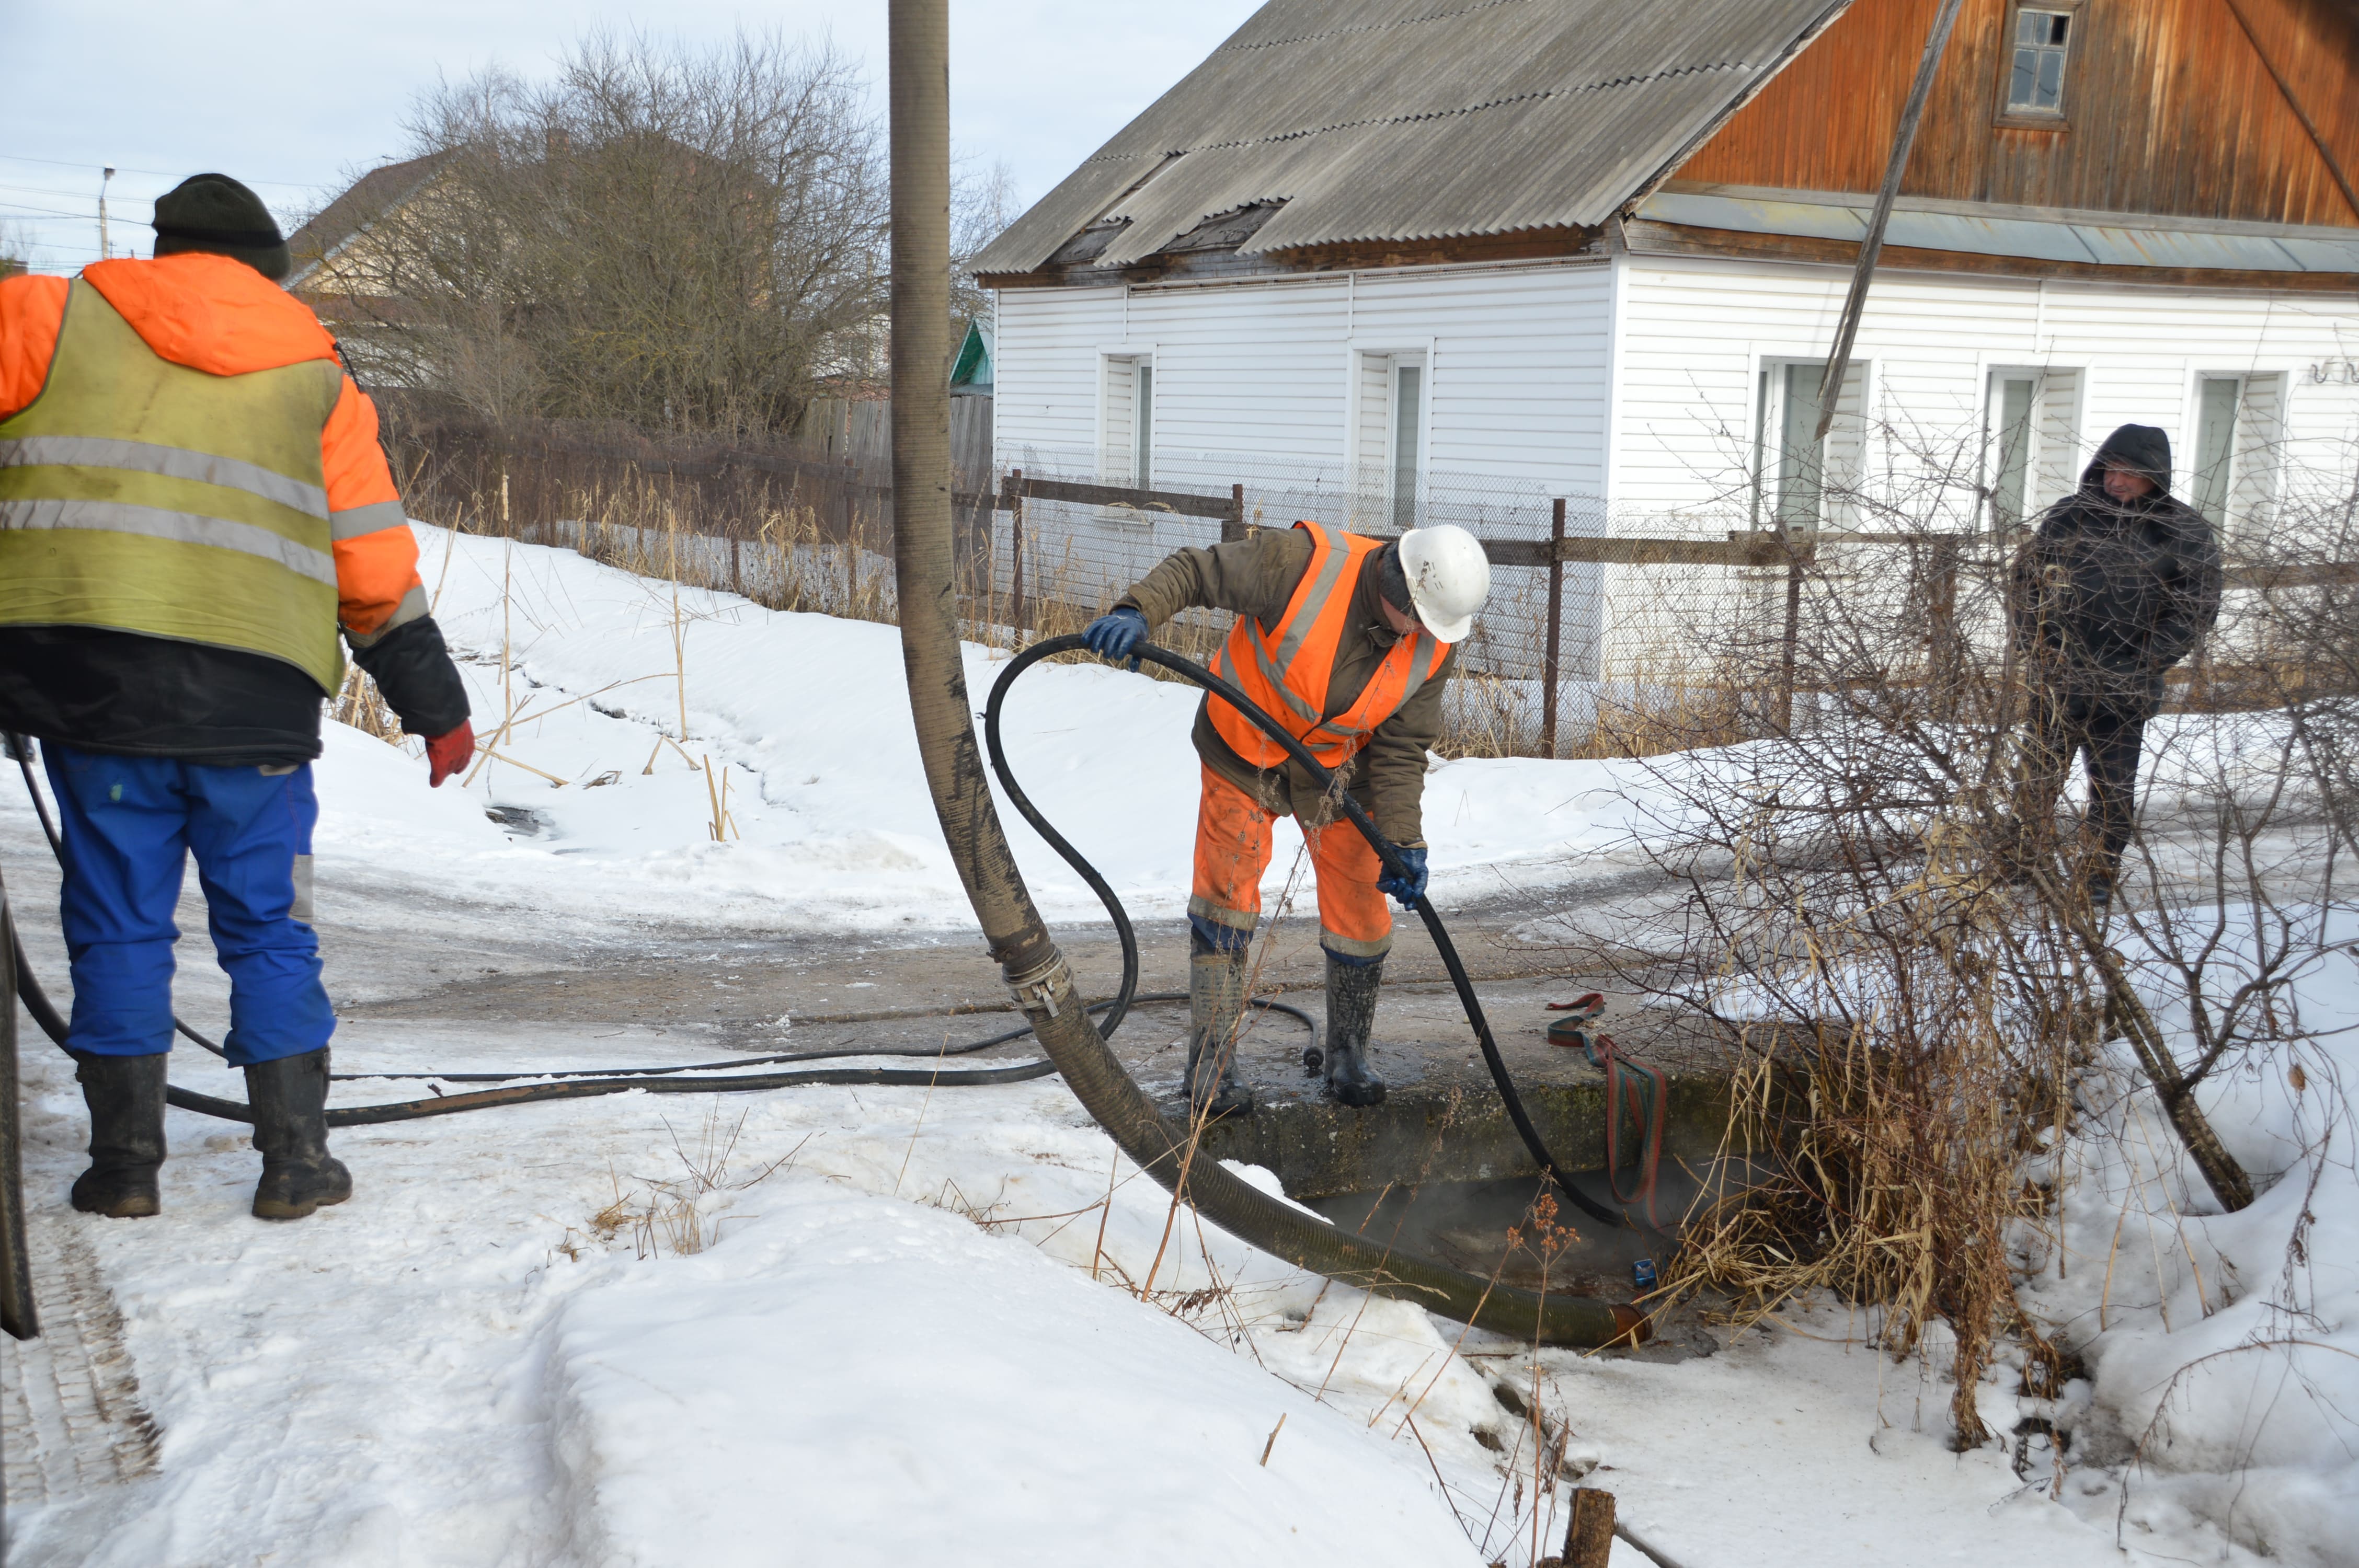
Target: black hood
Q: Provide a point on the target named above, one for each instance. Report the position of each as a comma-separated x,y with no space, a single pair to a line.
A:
2141,449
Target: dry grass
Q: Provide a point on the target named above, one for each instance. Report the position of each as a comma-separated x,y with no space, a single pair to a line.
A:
359,704
680,1214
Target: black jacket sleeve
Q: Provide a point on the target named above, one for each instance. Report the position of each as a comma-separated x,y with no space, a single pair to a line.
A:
2190,591
412,668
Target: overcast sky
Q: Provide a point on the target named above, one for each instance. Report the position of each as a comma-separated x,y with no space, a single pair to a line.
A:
294,98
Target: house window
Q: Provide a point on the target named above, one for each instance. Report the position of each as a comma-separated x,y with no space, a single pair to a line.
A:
2034,421
2215,444
1409,407
1142,446
2035,82
1126,453
2011,398
1800,482
2239,422
1388,438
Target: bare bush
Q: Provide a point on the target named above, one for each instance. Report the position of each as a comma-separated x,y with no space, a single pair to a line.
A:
666,238
1871,901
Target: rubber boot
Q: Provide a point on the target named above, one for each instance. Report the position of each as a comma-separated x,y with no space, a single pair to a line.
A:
126,1095
1217,1000
1351,1014
289,1097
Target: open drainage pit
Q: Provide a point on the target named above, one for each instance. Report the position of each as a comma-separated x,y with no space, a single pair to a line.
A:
1467,1223
1438,1169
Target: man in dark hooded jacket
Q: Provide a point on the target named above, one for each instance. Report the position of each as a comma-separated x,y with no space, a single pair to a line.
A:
2120,583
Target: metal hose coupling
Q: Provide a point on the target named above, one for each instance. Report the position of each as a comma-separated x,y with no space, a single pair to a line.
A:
1045,987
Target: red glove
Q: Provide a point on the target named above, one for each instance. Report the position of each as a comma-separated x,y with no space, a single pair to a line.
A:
448,752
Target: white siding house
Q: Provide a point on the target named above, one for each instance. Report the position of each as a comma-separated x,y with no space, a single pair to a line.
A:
1441,325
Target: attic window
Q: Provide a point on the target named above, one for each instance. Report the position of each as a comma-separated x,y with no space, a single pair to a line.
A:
2035,82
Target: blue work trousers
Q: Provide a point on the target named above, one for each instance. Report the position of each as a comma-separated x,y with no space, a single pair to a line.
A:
129,825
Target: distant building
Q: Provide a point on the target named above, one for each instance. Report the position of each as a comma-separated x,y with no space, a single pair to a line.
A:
1438,261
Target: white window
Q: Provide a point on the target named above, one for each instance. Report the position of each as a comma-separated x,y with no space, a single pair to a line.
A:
2043,42
2033,418
1388,435
1799,482
1127,393
2239,426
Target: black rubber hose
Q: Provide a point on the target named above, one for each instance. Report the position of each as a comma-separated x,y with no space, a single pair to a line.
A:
583,1083
1385,852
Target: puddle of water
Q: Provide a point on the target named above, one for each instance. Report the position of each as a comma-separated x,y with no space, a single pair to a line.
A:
1466,1224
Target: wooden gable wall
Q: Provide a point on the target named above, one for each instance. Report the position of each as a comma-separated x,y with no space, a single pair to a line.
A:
2169,110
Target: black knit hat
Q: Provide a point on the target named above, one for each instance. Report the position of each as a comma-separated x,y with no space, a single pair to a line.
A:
214,212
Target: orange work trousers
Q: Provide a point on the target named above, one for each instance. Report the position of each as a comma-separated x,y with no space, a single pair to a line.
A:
1232,850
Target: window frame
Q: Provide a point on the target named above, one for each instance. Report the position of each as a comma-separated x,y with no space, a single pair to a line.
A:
2252,469
2003,114
2055,453
1130,357
1375,473
1773,407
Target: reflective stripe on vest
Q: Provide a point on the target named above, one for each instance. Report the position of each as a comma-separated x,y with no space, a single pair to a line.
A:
1284,669
144,496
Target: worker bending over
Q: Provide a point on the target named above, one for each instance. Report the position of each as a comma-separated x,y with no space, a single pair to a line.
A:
192,505
1347,641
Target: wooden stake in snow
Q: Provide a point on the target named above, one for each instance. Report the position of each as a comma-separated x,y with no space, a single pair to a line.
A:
1589,1537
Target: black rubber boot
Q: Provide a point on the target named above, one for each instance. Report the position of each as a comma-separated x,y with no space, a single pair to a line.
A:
1351,1014
290,1127
126,1095
1217,1000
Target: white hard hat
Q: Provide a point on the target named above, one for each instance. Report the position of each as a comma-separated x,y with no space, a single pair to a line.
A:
1449,578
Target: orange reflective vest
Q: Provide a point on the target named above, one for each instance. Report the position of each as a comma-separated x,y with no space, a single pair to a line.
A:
1285,668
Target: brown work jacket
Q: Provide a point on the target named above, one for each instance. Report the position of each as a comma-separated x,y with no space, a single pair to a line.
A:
1256,575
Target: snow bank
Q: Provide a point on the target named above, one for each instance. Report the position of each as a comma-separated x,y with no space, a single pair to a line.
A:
2222,1350
881,1383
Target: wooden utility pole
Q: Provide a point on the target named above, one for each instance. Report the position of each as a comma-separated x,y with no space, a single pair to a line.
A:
1551,671
1830,385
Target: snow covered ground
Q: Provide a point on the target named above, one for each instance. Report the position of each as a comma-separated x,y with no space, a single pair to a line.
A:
866,1325
807,718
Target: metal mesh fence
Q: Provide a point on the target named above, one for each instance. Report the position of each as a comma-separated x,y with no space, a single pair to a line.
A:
1682,630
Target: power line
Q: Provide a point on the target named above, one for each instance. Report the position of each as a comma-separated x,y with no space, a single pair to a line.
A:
46,212
78,195
158,173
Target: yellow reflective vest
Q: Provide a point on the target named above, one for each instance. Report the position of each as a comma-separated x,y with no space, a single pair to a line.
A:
140,495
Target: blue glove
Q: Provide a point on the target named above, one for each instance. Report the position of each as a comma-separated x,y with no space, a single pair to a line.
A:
1407,889
1117,634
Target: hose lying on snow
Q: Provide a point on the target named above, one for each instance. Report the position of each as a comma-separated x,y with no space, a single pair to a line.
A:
1561,1319
1412,1277
584,1083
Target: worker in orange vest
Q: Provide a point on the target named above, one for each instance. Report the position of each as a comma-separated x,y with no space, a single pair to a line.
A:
194,510
1347,641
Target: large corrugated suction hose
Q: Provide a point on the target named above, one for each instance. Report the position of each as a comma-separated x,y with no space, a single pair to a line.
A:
940,703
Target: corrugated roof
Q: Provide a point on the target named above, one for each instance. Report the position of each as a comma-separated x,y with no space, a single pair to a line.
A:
1420,119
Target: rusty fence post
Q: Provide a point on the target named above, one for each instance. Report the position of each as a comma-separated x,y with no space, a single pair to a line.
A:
1948,662
1233,526
1016,551
1787,645
1552,670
